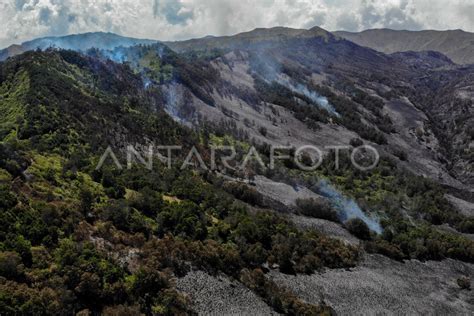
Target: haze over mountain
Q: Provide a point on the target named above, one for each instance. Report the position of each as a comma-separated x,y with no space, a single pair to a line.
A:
80,42
108,41
456,44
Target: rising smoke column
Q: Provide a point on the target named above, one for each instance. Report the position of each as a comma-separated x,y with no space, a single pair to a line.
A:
117,54
173,101
347,207
270,70
318,99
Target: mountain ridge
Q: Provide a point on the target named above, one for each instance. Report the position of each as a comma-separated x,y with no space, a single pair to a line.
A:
80,42
108,40
456,44
243,39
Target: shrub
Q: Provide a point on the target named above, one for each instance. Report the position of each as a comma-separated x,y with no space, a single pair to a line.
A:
385,248
10,264
182,219
400,154
358,228
7,199
124,218
464,282
121,310
428,243
317,208
148,202
149,282
305,159
115,192
20,299
470,132
21,246
243,192
280,299
356,142
466,226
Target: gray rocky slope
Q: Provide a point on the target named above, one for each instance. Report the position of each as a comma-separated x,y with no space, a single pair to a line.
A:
378,286
426,96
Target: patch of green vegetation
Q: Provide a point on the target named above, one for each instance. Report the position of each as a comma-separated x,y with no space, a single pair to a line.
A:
228,140
154,68
409,208
280,299
12,107
354,119
5,176
408,205
207,228
204,54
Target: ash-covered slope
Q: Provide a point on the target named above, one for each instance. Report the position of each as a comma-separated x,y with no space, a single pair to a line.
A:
317,67
283,86
456,44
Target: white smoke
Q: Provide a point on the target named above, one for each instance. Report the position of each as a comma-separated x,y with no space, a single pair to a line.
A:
173,102
347,207
270,70
318,99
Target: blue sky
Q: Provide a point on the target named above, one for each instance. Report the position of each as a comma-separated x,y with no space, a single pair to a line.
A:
181,19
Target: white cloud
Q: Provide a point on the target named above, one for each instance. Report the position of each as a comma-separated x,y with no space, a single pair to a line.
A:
180,19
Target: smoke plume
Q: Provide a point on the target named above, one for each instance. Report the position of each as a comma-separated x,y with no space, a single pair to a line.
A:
347,207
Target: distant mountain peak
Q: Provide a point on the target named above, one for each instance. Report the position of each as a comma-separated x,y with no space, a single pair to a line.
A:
285,31
255,36
457,44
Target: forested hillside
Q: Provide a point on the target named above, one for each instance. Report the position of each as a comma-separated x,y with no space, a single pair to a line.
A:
78,238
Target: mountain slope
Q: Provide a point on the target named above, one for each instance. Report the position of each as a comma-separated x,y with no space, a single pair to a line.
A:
456,44
72,232
79,232
300,61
